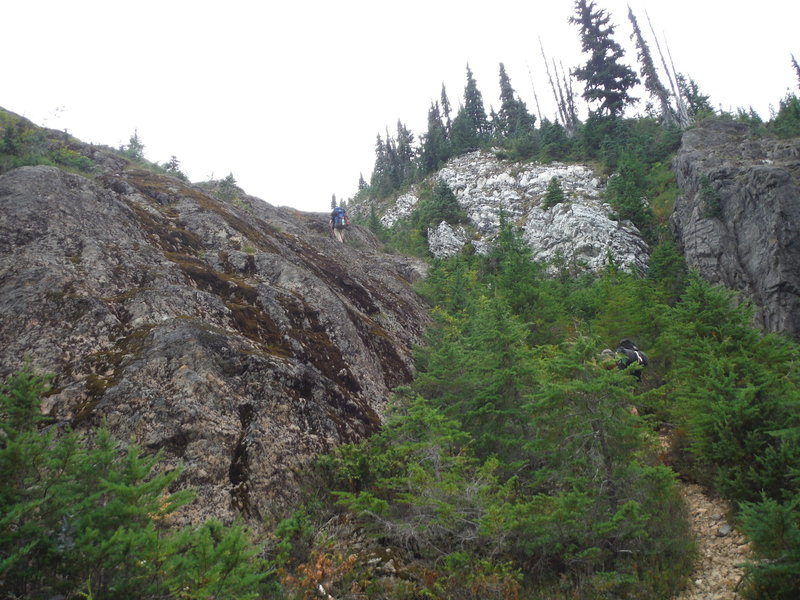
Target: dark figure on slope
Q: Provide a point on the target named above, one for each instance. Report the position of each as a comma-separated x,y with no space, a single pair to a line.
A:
629,355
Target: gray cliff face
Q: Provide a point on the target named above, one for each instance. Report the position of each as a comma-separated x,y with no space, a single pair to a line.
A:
238,337
738,214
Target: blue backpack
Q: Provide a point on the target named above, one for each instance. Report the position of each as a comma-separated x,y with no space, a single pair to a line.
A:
339,220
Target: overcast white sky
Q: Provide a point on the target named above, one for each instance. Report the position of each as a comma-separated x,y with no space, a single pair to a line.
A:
290,95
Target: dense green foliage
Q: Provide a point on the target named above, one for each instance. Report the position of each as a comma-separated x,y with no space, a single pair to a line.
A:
81,516
23,144
787,121
515,449
514,465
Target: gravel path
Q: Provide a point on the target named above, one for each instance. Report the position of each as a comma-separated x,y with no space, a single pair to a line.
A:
720,549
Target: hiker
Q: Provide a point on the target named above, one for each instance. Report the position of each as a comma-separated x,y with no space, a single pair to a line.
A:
628,354
339,222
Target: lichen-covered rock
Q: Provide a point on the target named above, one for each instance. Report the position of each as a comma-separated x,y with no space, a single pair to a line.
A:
239,338
486,187
403,207
736,219
582,233
446,240
579,231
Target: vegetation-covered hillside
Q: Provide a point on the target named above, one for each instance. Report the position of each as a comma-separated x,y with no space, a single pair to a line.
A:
521,462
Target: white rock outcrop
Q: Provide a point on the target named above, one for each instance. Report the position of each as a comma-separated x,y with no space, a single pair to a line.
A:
403,207
579,230
446,240
582,233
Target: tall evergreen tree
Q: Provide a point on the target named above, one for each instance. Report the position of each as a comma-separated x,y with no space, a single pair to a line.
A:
796,70
607,81
513,118
435,145
474,108
380,170
446,109
652,83
393,164
405,154
463,135
698,104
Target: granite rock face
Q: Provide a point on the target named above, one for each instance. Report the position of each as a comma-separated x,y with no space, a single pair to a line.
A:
579,230
239,338
738,214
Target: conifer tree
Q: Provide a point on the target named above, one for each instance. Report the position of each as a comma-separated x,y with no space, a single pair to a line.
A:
607,81
393,165
513,118
405,154
386,173
463,136
435,145
446,109
796,70
379,171
554,194
135,147
474,108
480,375
698,104
86,518
565,105
567,99
736,394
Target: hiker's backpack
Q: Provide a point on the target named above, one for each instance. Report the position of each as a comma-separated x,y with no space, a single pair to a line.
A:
339,217
629,355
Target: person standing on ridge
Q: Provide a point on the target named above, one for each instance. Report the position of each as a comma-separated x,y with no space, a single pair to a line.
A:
339,222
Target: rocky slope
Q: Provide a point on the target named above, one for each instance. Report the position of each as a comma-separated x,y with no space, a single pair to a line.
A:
737,217
237,337
579,230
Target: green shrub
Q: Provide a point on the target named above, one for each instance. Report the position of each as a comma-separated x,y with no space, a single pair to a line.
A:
735,390
712,203
554,194
786,123
774,530
22,144
80,515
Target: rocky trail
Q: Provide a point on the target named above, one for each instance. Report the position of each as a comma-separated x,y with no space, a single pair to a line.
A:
721,548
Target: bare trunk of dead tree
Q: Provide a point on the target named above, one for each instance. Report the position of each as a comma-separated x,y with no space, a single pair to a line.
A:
684,120
569,106
566,115
652,82
535,97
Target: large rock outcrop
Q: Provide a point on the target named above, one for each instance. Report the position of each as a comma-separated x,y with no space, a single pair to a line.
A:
237,337
738,214
580,230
